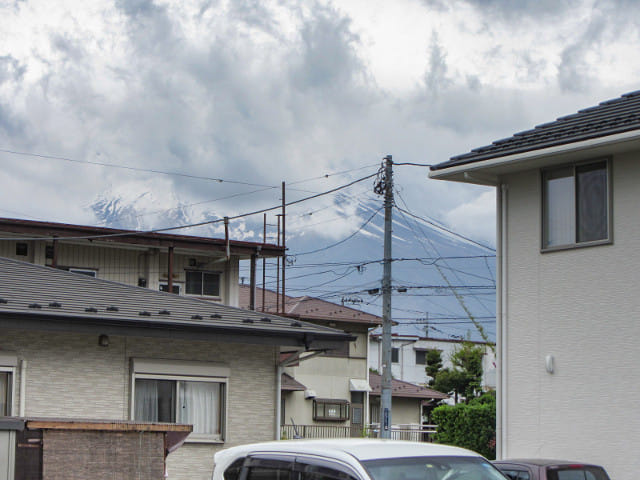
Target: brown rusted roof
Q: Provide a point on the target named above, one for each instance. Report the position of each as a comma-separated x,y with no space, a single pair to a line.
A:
404,389
308,308
290,384
63,231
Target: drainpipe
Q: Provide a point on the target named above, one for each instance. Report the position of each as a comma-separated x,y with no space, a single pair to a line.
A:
501,330
23,387
279,371
170,272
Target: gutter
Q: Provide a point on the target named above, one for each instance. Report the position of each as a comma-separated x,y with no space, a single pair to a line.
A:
444,172
501,324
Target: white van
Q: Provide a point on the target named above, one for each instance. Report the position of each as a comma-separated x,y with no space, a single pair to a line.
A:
351,459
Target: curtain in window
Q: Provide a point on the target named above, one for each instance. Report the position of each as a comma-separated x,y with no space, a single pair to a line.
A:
560,208
146,407
200,406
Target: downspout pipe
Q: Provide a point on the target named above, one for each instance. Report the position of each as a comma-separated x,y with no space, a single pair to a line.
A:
278,430
501,330
23,387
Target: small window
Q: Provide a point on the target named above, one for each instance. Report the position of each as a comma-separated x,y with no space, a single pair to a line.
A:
576,206
83,271
395,355
22,249
175,288
203,283
5,392
421,357
268,469
328,409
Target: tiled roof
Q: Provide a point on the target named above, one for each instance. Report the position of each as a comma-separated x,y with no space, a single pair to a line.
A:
613,116
290,384
404,389
29,291
309,308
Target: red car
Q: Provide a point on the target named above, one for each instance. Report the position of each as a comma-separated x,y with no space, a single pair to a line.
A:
534,469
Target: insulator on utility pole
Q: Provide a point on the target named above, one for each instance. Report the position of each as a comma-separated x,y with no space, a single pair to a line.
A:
385,185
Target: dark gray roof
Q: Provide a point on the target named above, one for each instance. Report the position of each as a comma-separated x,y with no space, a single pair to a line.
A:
34,296
613,116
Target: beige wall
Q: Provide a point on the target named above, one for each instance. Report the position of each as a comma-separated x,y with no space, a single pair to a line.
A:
127,265
70,376
329,378
580,306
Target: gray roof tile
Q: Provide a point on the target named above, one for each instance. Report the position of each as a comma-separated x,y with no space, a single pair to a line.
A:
610,117
28,290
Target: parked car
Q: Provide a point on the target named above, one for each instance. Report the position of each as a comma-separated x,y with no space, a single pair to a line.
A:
351,459
531,469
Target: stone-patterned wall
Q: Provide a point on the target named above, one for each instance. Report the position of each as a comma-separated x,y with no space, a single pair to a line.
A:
79,455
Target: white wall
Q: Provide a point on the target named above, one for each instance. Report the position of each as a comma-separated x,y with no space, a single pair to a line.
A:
407,369
580,306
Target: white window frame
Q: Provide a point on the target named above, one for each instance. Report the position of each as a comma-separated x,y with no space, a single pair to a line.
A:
8,364
181,370
214,272
608,207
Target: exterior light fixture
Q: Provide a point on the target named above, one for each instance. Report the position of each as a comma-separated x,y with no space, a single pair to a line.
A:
103,340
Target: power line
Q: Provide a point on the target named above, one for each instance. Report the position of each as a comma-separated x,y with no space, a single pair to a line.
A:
208,222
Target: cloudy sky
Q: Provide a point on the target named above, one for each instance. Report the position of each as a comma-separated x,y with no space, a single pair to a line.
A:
256,92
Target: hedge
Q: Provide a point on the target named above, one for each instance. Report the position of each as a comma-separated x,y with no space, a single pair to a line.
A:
471,426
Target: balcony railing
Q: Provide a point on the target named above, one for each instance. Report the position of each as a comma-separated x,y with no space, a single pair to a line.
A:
412,432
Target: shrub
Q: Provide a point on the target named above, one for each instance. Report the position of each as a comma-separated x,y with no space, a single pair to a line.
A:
471,426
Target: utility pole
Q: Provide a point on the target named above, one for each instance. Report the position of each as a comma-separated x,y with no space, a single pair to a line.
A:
384,185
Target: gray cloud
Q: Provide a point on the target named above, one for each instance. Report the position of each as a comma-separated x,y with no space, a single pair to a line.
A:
436,75
509,9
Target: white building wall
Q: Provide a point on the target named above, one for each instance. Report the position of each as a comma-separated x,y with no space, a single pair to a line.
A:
579,306
407,370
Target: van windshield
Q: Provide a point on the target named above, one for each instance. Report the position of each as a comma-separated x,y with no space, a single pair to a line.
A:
432,468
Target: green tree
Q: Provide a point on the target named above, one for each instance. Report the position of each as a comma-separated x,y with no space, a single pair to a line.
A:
434,364
465,378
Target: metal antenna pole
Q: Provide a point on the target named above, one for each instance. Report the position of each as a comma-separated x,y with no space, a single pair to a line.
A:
385,399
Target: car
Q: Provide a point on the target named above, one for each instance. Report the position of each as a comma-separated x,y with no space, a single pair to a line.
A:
542,469
351,459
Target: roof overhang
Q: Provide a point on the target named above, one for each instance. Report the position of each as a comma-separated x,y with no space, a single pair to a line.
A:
193,331
489,171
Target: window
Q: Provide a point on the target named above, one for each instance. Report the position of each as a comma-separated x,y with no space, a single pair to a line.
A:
421,357
175,288
576,206
395,355
327,409
8,365
83,271
203,283
22,249
185,392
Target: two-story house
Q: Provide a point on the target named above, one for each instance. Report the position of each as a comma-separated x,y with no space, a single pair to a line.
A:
568,234
187,265
409,357
325,394
80,348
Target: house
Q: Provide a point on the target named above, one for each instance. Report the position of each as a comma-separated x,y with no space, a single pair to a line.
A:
76,347
568,236
409,357
183,264
323,394
409,404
